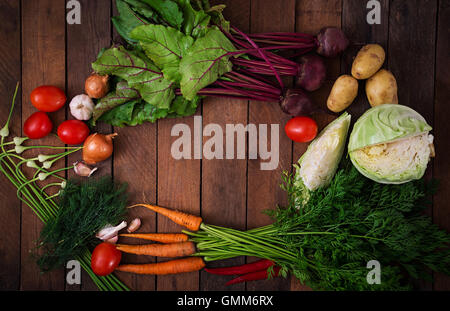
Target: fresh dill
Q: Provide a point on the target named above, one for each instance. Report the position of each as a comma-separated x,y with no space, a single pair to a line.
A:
85,208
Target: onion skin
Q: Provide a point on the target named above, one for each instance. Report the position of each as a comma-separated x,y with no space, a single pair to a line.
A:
96,86
97,148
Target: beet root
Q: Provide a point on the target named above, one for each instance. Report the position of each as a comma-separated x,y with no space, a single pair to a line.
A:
331,42
297,103
312,73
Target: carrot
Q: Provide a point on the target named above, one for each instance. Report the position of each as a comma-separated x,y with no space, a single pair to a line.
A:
159,250
159,237
186,220
169,267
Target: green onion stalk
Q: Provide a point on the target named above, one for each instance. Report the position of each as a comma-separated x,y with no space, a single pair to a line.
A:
36,197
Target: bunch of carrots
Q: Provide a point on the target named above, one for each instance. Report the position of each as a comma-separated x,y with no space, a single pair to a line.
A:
173,245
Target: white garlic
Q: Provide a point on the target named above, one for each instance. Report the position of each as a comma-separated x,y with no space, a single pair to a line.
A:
81,169
81,107
110,231
134,225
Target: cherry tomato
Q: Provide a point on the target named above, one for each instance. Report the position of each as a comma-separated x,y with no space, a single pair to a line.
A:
48,98
105,259
73,132
38,125
301,129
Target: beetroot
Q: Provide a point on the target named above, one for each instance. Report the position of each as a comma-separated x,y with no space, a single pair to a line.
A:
312,72
297,103
331,42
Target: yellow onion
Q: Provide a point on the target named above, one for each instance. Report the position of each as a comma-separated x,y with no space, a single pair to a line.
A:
96,86
97,148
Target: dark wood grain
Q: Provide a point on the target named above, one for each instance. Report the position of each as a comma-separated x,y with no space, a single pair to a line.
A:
9,203
441,167
93,34
43,62
264,190
411,53
224,182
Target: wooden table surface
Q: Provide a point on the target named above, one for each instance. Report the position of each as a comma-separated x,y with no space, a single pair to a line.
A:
38,47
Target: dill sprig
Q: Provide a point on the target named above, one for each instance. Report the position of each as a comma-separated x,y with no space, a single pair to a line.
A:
327,240
85,208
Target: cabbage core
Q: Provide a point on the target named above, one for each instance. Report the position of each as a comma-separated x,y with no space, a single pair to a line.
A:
397,161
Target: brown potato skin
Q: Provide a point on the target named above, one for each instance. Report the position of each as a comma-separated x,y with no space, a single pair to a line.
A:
368,61
381,88
343,93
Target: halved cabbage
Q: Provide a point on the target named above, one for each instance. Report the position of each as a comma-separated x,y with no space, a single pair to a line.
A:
391,144
317,166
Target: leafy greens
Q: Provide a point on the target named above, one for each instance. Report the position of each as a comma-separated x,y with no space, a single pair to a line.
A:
172,49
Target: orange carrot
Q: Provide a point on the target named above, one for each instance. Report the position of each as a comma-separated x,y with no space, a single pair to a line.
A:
159,250
186,220
159,237
169,267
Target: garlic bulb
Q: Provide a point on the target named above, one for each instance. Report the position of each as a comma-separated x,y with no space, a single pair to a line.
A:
81,107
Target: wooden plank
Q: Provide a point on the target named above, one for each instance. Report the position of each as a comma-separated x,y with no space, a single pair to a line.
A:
43,62
92,34
136,164
311,16
9,203
441,171
412,30
178,188
224,182
264,190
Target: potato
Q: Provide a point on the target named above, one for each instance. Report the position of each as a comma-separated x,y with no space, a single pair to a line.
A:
343,93
382,88
368,61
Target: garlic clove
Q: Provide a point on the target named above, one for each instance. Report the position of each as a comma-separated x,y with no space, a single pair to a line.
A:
134,225
109,231
83,170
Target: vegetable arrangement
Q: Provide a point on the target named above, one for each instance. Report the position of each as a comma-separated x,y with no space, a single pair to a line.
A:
178,51
340,214
323,237
70,222
336,221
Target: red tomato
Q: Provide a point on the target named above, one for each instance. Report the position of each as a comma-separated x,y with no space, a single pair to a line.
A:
105,259
73,132
301,129
48,98
38,125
